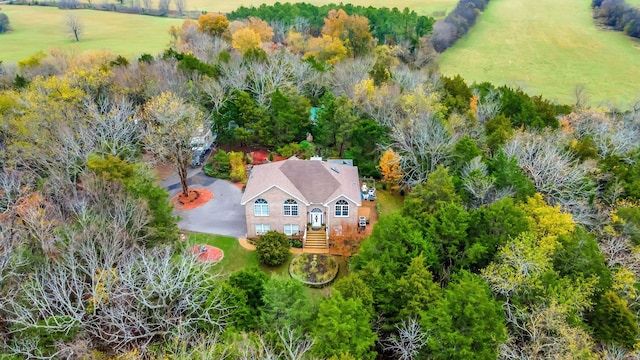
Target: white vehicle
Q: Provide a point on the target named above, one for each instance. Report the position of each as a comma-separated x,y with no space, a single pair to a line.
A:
201,144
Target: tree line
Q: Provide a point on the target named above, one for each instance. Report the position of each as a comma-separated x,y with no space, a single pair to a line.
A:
388,26
457,23
619,15
517,237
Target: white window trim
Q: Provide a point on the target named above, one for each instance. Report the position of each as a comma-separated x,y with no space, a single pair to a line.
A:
257,205
291,207
264,228
291,229
341,206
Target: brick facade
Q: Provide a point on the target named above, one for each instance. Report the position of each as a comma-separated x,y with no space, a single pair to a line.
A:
277,220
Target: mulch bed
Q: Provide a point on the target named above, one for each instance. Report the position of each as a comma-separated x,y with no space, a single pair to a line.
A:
207,253
196,198
260,157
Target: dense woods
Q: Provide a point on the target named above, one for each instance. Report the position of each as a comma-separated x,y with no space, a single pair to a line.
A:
517,237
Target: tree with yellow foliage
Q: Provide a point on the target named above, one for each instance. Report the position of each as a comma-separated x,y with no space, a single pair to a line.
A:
213,24
245,39
327,48
390,168
352,30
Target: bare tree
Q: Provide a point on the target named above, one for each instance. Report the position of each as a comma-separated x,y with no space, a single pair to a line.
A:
74,26
554,172
543,332
181,5
234,74
149,295
406,78
423,143
488,105
163,7
264,78
295,345
347,74
406,344
117,128
280,31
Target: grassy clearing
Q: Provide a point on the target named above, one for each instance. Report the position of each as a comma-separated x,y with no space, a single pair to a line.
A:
38,28
388,202
547,47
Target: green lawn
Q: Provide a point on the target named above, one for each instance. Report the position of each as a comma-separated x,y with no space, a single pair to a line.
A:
547,47
236,258
38,28
388,202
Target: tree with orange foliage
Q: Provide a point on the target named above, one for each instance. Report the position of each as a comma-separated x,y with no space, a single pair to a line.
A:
352,30
213,24
260,27
390,168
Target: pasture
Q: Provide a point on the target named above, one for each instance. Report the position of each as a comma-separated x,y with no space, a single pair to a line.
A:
547,47
38,28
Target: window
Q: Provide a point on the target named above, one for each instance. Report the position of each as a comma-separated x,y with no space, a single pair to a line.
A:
342,208
291,229
261,208
290,208
262,228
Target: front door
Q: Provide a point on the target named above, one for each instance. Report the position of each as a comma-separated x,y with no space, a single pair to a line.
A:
316,218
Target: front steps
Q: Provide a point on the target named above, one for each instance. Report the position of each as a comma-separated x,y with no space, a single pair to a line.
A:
316,242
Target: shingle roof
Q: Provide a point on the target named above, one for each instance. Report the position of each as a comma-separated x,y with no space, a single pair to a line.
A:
309,181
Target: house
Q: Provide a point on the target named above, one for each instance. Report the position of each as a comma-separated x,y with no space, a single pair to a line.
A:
288,195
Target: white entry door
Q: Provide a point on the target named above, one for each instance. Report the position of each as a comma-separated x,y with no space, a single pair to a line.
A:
316,218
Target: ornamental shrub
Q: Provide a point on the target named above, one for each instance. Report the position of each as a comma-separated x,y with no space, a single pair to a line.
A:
273,248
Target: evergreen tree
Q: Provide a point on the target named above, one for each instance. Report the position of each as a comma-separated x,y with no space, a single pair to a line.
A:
343,327
466,323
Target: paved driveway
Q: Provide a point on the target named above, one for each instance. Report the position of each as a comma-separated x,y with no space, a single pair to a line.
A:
222,215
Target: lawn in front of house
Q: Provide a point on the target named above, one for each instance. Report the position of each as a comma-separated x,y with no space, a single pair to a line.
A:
237,258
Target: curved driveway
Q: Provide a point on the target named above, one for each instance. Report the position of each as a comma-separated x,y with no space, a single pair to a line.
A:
222,215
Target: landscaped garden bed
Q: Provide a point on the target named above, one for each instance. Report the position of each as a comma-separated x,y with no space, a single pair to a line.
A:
315,270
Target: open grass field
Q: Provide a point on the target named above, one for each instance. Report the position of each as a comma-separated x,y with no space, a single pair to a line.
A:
547,47
38,28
